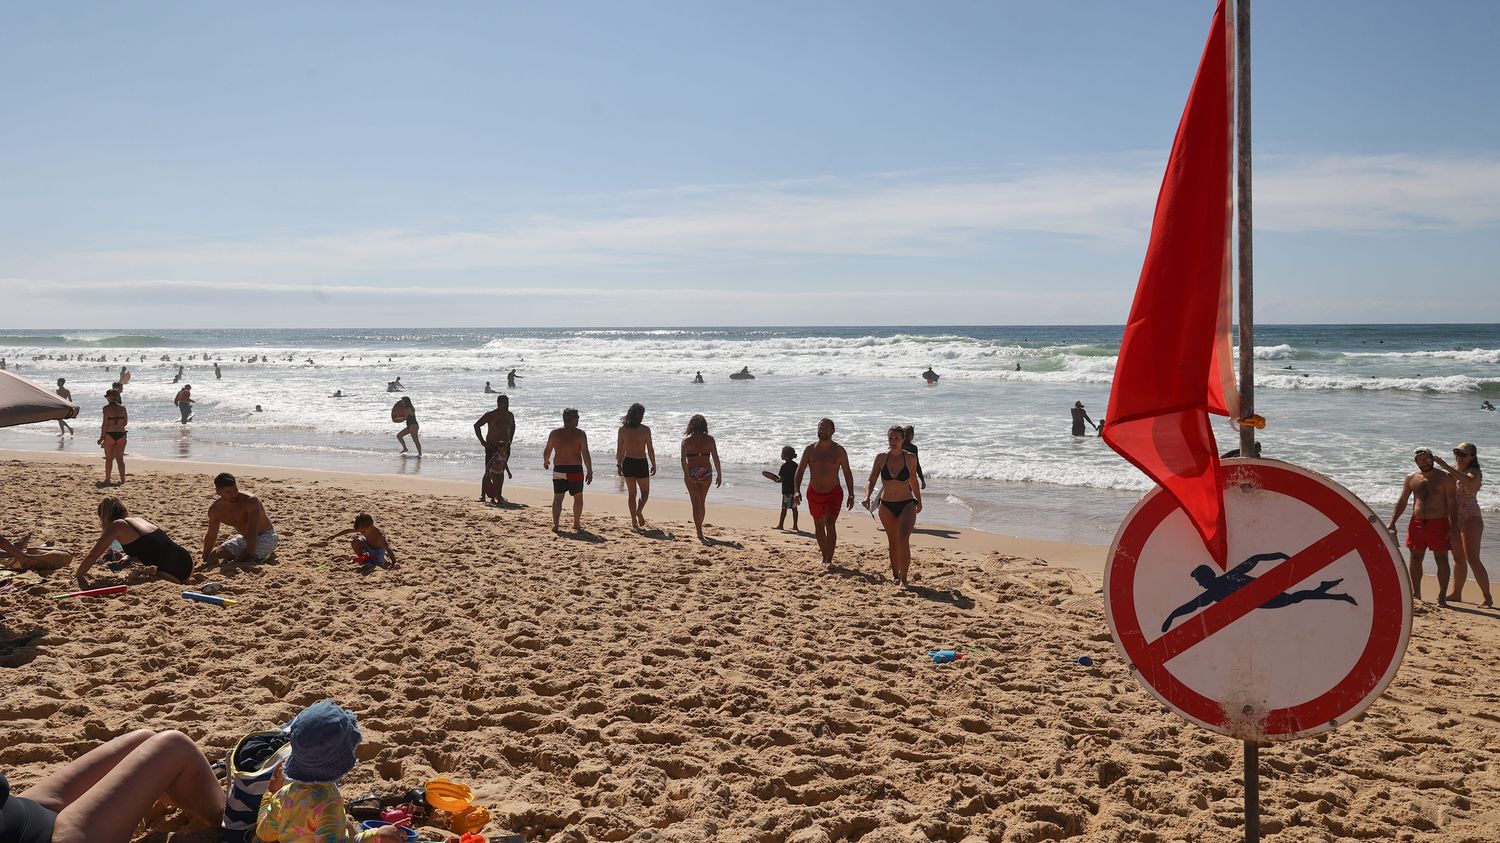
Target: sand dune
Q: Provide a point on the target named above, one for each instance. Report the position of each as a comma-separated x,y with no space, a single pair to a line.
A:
626,687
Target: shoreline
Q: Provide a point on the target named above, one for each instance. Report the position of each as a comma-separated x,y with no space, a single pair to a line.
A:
855,527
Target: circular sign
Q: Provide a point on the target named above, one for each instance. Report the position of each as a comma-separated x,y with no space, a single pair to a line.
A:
1302,629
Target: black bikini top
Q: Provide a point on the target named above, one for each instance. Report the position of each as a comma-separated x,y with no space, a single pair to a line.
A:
885,471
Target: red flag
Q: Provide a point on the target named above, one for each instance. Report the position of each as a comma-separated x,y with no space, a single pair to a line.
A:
1174,359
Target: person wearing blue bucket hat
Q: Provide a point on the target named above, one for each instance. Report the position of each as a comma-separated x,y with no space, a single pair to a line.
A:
303,804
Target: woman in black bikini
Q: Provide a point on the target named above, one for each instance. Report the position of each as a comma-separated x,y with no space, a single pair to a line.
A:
145,542
900,500
112,434
700,467
411,426
635,459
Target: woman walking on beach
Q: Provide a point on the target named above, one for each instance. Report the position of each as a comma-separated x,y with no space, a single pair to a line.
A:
900,500
143,541
408,413
700,467
1468,521
112,434
635,459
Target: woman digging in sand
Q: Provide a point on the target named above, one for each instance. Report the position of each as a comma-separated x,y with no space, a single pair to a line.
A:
143,541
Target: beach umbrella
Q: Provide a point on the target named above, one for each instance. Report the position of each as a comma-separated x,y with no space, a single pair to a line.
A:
23,402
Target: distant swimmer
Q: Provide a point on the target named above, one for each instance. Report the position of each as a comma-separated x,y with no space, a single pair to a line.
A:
488,390
395,386
175,378
1080,416
124,376
337,393
1487,406
698,378
1288,368
742,375
510,378
1216,588
1018,367
66,395
258,409
218,375
930,376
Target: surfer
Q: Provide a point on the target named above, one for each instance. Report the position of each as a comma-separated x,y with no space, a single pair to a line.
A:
742,375
1487,406
1080,416
1216,588
395,385
930,376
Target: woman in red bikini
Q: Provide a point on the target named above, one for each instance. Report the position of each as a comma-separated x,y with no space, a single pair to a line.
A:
900,499
700,467
112,434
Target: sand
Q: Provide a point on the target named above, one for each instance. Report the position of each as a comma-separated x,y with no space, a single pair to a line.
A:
620,686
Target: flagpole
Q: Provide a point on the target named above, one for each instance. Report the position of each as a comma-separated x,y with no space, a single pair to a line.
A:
1247,331
1246,263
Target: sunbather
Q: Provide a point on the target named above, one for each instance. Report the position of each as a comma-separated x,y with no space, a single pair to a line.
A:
104,794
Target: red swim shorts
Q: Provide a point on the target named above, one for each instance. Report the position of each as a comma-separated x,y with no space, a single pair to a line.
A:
820,505
1428,534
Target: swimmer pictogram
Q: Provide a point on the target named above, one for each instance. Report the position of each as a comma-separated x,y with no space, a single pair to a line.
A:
1217,587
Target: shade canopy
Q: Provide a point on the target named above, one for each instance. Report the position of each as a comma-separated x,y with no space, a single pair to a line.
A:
23,402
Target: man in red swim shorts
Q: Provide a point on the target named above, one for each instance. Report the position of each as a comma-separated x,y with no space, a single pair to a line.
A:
1436,500
826,458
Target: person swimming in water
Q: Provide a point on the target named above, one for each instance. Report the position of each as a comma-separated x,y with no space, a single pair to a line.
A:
698,378
930,376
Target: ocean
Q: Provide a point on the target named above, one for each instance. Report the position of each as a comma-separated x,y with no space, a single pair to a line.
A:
1350,401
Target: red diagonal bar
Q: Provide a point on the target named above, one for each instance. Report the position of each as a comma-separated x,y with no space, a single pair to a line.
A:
1313,558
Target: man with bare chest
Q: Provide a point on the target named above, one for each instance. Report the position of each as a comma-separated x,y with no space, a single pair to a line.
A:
1435,500
825,459
567,454
499,428
257,539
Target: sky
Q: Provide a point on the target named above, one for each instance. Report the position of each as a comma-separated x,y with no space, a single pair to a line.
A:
464,164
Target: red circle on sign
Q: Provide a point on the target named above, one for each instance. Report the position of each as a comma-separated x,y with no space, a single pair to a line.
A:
1355,530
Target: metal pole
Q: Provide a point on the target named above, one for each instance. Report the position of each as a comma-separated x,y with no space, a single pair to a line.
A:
1252,792
1247,330
1247,286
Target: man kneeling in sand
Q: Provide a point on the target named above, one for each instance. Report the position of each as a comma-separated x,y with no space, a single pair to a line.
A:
573,468
257,539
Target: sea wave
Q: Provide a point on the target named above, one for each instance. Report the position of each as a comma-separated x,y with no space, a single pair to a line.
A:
90,340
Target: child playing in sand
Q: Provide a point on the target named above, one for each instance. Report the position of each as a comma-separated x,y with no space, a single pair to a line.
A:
302,803
369,543
788,487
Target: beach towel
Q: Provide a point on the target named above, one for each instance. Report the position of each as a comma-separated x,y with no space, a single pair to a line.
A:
251,763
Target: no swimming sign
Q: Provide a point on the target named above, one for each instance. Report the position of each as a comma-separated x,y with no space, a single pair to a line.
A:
1302,630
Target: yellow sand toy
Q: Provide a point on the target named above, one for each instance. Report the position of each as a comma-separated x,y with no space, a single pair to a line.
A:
473,818
449,796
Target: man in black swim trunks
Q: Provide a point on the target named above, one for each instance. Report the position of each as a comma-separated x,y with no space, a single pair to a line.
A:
500,429
574,467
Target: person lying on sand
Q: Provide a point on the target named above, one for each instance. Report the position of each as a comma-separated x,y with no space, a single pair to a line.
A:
104,794
16,556
369,543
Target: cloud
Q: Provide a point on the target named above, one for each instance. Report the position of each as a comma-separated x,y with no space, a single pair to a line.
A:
1103,204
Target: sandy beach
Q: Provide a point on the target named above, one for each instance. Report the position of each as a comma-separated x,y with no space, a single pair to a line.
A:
643,687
